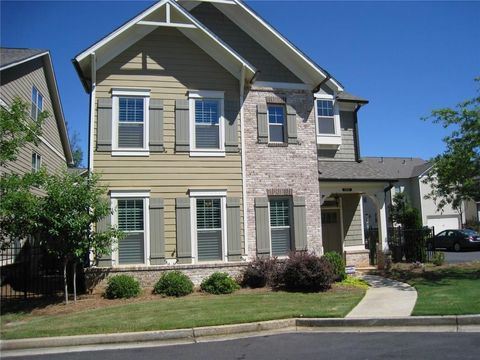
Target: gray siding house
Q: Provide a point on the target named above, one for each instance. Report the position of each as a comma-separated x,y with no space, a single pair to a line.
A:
215,137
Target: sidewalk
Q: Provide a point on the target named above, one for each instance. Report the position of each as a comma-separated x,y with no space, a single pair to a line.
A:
385,298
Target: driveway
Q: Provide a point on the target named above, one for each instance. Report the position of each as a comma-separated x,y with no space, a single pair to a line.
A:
461,257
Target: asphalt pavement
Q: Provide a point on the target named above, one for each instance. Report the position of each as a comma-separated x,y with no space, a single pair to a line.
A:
305,346
452,257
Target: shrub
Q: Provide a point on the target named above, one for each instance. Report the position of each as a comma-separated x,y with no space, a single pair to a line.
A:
219,283
122,286
355,281
260,272
173,283
307,272
438,258
338,264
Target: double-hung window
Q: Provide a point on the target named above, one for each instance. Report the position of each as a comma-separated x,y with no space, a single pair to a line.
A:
37,103
280,226
276,123
131,217
327,121
130,121
36,162
206,123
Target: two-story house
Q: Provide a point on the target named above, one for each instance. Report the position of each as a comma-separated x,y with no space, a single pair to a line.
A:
28,74
209,129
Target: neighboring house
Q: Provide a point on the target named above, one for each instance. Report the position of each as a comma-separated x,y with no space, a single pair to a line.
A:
209,129
411,173
28,74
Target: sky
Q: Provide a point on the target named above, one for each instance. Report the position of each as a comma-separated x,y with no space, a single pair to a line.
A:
407,58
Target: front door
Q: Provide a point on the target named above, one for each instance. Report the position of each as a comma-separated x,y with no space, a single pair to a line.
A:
331,231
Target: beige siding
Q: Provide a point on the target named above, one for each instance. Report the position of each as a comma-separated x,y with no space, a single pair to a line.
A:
18,81
169,65
352,221
346,151
270,68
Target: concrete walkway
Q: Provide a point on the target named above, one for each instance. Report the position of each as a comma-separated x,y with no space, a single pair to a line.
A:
384,299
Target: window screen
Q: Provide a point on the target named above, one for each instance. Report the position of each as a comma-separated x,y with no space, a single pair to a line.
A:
207,119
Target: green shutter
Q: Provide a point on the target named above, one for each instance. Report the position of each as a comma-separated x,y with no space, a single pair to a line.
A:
156,125
157,232
234,242
291,125
262,123
184,243
262,226
300,223
103,225
104,124
231,126
182,126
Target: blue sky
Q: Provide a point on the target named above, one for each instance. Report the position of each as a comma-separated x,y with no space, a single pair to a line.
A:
407,58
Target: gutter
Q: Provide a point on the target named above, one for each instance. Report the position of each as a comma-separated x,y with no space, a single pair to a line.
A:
356,138
78,69
243,156
92,111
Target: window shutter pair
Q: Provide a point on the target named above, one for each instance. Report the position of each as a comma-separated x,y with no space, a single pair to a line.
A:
262,124
262,225
104,125
157,234
182,126
183,227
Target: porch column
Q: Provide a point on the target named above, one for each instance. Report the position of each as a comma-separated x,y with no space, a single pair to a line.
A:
382,221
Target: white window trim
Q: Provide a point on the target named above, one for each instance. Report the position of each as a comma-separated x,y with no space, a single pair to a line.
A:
207,194
207,94
328,139
38,162
129,194
291,226
38,110
141,93
284,124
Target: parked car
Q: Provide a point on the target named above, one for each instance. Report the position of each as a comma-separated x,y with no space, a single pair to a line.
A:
455,239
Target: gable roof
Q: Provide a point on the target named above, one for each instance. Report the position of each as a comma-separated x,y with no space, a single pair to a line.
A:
136,28
12,57
401,167
273,41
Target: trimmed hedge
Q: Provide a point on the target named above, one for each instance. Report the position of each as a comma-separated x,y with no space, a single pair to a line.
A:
122,286
173,283
219,283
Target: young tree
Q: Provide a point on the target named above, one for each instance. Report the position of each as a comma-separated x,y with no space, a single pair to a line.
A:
455,174
71,205
17,129
403,213
77,152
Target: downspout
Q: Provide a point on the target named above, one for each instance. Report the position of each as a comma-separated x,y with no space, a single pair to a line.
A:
244,171
93,75
356,138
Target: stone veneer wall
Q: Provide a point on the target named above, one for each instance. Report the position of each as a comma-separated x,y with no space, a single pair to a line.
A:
293,166
358,258
96,277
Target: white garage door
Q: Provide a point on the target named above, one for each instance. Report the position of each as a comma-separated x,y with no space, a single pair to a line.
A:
443,223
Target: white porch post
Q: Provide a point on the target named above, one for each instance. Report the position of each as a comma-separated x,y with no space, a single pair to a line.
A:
382,221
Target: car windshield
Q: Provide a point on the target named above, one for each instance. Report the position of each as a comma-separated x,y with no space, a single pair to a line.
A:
469,232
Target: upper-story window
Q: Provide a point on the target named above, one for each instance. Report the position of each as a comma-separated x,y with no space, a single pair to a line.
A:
325,117
130,121
327,121
206,123
36,162
276,123
37,103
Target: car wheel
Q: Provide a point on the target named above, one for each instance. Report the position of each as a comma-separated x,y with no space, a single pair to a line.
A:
456,247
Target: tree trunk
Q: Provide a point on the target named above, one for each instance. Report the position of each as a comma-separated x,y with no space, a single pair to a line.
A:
75,281
65,262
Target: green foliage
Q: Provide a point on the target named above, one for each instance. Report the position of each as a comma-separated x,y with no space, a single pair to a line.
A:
338,264
173,283
219,283
438,258
77,153
402,212
17,129
260,272
307,273
455,174
355,281
122,286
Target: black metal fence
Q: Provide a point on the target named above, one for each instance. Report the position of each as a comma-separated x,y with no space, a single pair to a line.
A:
405,245
27,271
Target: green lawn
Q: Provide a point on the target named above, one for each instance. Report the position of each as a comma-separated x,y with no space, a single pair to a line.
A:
452,290
191,311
